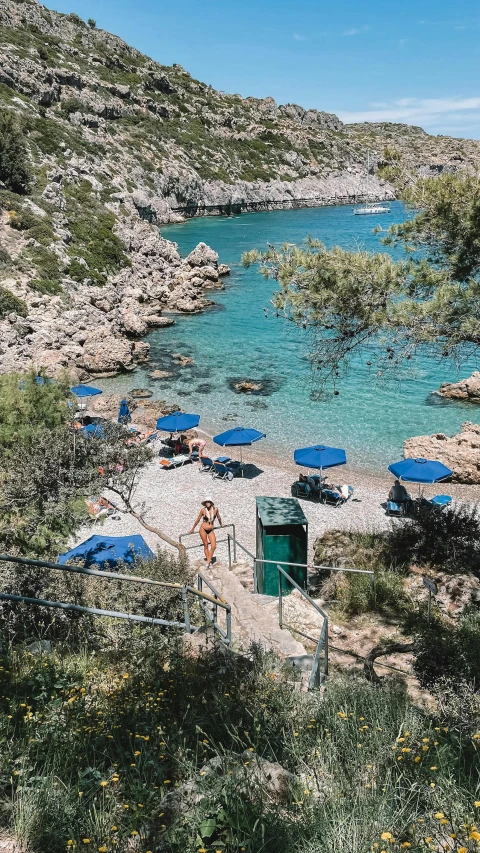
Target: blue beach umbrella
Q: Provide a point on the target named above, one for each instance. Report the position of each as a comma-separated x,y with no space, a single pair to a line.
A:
320,456
84,391
178,422
93,431
238,437
124,416
107,552
419,470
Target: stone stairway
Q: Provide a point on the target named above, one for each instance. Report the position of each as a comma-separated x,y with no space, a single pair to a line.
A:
253,620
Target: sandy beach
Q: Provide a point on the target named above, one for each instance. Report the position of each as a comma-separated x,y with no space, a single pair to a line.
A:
170,499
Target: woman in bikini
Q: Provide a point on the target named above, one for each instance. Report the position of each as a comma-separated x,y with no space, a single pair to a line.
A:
207,516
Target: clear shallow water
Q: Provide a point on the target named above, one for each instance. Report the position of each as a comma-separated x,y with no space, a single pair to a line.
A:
370,418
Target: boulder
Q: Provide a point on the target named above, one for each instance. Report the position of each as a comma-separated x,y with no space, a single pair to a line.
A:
182,360
466,389
159,374
141,352
201,256
105,353
140,393
224,269
459,452
133,322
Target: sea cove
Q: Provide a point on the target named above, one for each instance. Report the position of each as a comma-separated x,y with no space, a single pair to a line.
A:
242,338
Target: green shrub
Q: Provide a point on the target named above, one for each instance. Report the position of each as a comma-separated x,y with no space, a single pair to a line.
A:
448,537
38,227
78,271
449,651
91,23
5,259
46,286
357,594
46,263
71,105
9,303
14,171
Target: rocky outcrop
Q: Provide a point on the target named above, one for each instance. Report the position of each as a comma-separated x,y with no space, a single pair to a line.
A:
466,389
459,452
145,412
96,330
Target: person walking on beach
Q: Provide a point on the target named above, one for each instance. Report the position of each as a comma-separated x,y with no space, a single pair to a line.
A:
207,515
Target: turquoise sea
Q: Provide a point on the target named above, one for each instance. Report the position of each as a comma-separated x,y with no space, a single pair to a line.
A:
370,417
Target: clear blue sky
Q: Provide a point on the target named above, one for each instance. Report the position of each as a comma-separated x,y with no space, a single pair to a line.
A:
415,61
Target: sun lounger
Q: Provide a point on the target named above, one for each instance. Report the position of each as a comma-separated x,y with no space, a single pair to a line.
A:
206,463
226,471
175,461
394,508
302,490
441,500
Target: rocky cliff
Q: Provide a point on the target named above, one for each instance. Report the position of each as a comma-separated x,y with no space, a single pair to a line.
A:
118,143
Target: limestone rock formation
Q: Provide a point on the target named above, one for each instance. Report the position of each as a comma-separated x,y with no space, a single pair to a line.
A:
459,452
466,389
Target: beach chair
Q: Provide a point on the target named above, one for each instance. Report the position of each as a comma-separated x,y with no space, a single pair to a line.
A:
206,463
440,501
332,496
175,461
302,490
395,509
225,471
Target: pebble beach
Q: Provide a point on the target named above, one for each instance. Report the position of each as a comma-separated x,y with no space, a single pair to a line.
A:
171,499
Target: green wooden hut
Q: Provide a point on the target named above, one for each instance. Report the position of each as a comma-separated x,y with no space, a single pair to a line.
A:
282,536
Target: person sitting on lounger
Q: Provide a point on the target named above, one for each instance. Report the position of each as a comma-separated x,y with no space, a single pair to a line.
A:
398,493
312,481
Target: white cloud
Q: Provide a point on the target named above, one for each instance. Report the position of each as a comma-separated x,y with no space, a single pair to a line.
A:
426,112
298,37
355,31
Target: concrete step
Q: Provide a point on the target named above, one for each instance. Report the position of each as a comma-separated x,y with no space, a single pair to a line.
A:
250,623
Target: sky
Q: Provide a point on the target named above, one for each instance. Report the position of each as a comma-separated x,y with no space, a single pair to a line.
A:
413,61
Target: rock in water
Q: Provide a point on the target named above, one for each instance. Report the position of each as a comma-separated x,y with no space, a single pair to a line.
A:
459,452
140,393
466,389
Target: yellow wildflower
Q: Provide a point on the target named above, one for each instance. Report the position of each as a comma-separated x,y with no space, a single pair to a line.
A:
103,783
102,849
439,815
386,836
475,835
477,804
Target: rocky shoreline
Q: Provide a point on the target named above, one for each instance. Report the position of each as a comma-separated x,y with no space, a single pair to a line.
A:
91,330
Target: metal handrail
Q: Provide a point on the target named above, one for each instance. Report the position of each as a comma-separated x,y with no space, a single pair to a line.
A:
237,544
216,600
96,611
315,675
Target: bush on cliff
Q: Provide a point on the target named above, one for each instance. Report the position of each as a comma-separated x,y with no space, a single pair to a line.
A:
14,171
11,304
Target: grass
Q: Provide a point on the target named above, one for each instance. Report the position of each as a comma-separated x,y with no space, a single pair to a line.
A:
94,743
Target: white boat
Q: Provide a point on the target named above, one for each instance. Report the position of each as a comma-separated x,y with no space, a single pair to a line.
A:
373,208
